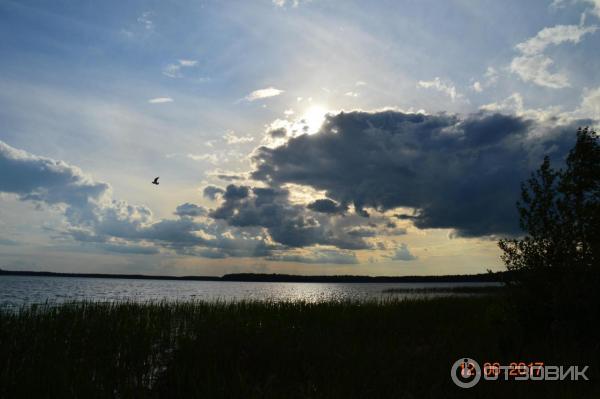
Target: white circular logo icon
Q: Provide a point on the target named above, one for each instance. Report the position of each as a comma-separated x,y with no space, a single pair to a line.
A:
465,372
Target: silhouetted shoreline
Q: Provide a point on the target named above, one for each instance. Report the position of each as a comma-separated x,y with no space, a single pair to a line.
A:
284,278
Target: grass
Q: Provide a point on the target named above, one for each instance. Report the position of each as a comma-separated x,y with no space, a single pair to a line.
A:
491,289
389,349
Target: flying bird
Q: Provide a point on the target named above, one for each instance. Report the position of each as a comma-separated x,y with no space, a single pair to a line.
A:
155,181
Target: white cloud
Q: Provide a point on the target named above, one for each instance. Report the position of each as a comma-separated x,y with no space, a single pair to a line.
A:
94,218
283,3
446,87
231,138
145,20
596,6
160,100
554,36
351,94
558,4
263,93
402,253
212,158
188,63
490,79
535,69
534,66
174,70
491,76
513,104
317,256
361,83
590,104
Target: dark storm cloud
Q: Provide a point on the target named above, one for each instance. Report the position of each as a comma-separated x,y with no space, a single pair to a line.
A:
404,216
456,173
327,206
212,192
362,232
288,224
278,133
229,177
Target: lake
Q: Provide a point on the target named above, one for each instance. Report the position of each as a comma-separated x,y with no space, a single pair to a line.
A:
16,291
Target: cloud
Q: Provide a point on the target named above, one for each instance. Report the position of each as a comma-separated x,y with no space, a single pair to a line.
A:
277,133
491,76
534,66
8,241
327,206
191,210
461,173
145,20
512,104
263,93
212,192
283,3
535,69
212,158
188,63
173,70
596,6
554,36
490,79
402,253
92,217
318,256
590,104
46,180
160,100
231,138
288,224
129,249
229,176
445,87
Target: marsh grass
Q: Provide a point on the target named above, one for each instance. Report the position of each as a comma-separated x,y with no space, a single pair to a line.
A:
377,349
491,289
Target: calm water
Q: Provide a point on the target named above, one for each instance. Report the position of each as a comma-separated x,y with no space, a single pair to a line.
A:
16,291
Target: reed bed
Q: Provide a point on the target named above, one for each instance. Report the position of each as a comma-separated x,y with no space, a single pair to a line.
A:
376,349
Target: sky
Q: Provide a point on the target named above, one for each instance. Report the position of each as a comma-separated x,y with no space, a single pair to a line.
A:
290,136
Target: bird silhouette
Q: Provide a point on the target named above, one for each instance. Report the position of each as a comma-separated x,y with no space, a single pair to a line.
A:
155,181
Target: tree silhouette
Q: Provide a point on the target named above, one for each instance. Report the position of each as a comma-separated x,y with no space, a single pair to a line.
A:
555,265
560,213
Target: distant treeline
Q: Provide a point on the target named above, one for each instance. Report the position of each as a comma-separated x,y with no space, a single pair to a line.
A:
482,277
257,277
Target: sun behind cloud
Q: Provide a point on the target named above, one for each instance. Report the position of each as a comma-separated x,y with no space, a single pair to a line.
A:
313,118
